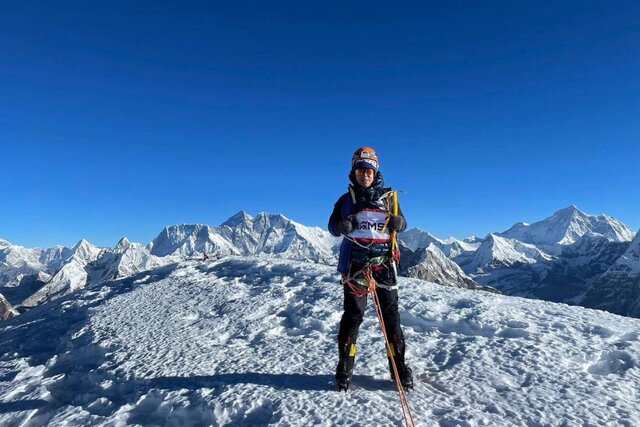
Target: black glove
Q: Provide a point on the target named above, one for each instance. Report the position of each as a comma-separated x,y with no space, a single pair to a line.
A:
396,222
346,225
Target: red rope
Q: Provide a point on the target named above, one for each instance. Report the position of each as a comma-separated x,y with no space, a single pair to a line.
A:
360,291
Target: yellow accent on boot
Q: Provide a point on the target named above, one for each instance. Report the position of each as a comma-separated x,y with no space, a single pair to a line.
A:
352,350
391,351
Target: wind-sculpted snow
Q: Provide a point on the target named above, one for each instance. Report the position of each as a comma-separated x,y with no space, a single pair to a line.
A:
250,341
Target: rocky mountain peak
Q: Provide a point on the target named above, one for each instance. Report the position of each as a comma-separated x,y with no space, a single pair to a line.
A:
568,211
239,218
122,245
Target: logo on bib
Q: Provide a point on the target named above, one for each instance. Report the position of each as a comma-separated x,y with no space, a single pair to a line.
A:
368,225
371,226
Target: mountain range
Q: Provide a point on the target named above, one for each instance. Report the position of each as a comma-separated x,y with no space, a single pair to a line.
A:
570,257
562,258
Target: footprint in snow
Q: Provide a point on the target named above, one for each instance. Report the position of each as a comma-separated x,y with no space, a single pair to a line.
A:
514,329
612,362
464,303
625,340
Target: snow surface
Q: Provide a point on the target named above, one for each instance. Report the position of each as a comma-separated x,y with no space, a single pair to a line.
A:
251,341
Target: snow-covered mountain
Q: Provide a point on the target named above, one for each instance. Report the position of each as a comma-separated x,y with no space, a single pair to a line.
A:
511,266
558,259
628,265
125,259
431,264
618,289
24,271
499,252
24,285
87,263
243,234
417,238
452,248
565,227
251,341
70,276
422,258
33,276
85,251
189,240
577,267
6,309
20,263
17,260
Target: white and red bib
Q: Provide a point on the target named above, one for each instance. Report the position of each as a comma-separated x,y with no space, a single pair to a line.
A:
371,226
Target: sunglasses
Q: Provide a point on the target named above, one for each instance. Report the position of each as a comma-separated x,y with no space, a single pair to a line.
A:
368,172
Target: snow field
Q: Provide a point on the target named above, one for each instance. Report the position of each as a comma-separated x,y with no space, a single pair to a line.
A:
251,341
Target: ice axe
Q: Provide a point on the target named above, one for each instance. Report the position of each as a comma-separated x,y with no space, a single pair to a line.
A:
395,253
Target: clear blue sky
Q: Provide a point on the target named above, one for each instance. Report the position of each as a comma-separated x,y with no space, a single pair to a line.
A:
119,119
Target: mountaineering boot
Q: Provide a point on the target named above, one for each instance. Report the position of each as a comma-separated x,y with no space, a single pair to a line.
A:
404,372
344,370
343,378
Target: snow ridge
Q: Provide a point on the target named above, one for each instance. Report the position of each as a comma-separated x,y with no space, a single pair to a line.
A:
618,289
416,239
496,250
243,234
247,341
433,265
6,309
566,226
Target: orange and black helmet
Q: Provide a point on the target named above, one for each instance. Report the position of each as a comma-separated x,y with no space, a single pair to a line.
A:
365,158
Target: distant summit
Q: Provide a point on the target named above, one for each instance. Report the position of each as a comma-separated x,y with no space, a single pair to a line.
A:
237,219
244,234
566,226
497,250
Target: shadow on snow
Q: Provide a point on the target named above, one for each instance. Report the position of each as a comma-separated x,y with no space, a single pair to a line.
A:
302,382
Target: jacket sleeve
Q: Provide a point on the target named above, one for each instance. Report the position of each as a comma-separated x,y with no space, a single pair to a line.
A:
336,217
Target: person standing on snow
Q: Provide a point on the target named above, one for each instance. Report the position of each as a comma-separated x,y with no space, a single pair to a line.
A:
364,216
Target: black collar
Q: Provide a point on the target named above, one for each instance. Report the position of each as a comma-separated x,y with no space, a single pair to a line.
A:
370,194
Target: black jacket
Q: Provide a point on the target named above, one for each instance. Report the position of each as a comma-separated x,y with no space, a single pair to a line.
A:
372,197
